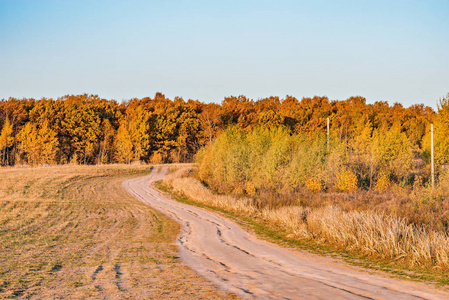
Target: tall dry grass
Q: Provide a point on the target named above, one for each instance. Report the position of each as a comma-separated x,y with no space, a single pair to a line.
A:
369,233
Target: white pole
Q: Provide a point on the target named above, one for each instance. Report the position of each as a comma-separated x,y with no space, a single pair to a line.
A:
327,135
432,156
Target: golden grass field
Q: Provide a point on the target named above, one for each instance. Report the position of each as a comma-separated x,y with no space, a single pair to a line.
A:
417,251
73,232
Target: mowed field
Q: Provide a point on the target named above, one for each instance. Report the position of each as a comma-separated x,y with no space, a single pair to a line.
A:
74,232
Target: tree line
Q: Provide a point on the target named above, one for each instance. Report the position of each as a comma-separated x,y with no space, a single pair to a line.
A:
87,129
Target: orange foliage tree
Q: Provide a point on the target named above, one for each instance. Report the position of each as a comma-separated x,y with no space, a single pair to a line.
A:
88,129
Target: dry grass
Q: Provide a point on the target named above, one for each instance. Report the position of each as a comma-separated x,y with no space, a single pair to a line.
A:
369,233
73,232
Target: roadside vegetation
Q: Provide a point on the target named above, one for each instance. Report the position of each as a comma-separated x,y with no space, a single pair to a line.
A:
73,232
276,169
367,238
368,192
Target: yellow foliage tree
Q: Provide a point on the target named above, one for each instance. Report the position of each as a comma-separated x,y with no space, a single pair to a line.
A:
362,159
6,140
393,153
123,144
138,128
441,134
107,143
37,145
48,144
270,119
81,127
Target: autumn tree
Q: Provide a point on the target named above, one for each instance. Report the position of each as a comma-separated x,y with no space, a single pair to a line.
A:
239,111
124,144
88,129
393,152
362,160
209,117
6,142
312,114
49,144
138,120
188,127
441,133
176,129
28,146
80,130
346,115
107,148
290,108
37,144
16,111
270,118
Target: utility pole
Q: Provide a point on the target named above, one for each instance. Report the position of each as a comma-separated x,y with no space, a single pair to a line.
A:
328,135
432,167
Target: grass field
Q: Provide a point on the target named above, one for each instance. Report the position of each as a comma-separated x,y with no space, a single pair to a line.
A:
73,232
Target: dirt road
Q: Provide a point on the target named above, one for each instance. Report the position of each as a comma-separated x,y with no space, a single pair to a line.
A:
239,262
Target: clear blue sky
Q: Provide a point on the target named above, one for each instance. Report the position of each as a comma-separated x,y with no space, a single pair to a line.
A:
397,51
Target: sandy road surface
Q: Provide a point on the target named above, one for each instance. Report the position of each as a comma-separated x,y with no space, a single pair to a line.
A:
238,262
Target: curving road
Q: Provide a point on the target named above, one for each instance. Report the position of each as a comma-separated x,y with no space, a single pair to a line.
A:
239,262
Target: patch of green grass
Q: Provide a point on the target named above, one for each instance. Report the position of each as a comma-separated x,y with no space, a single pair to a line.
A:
27,186
77,284
429,275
